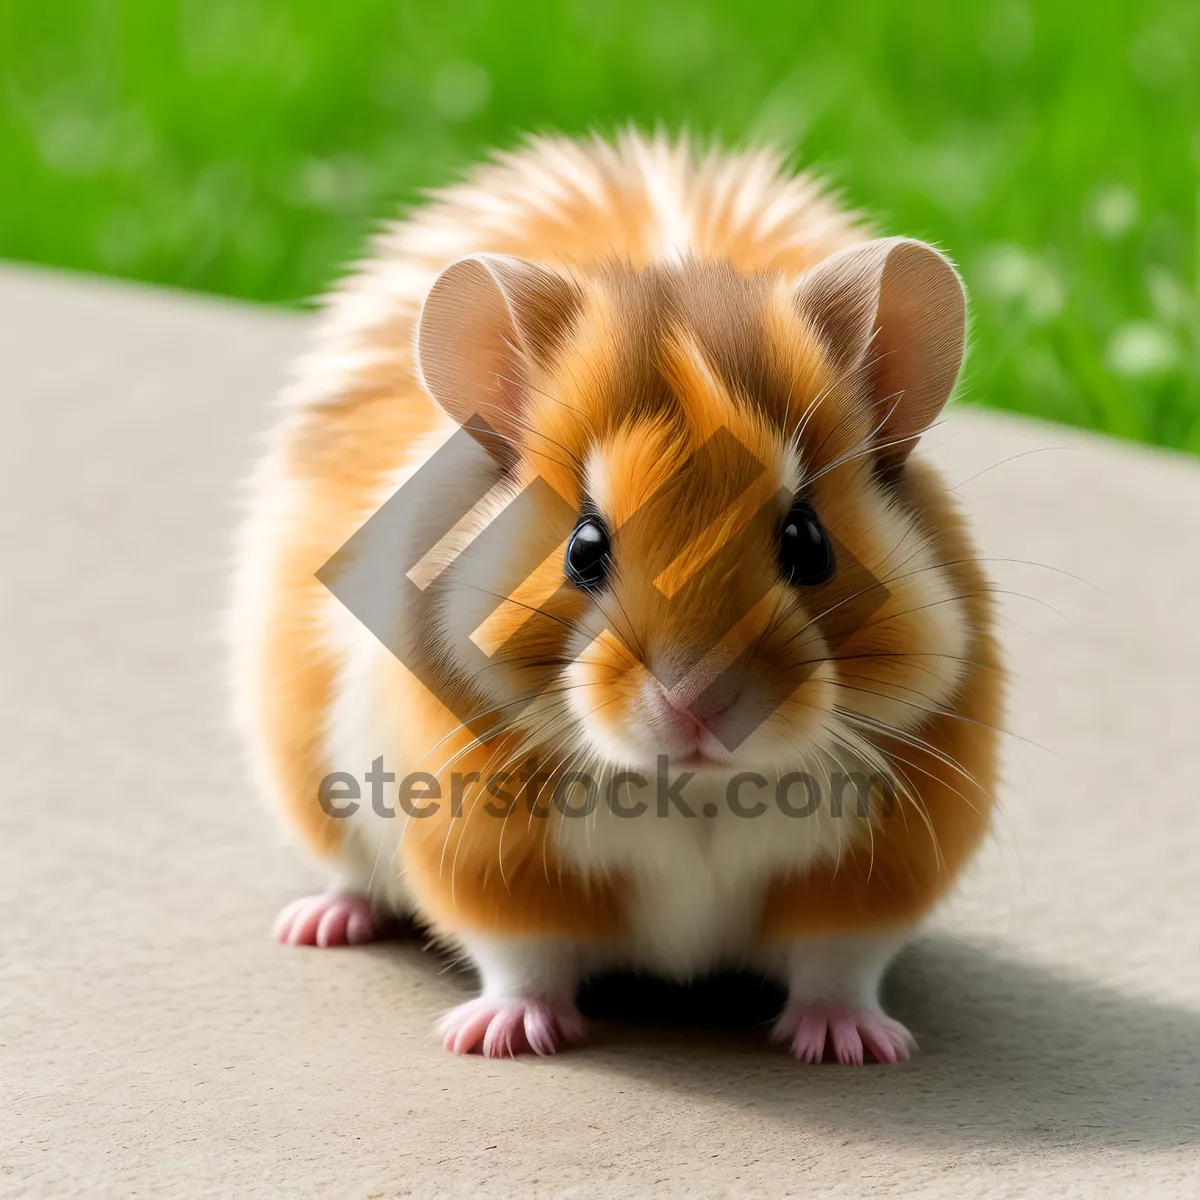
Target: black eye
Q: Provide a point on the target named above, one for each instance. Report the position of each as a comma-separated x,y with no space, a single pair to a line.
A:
588,558
805,555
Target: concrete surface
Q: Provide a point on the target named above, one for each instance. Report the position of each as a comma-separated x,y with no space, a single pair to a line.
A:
155,1042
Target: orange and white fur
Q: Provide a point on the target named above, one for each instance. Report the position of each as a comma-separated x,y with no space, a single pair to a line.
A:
607,308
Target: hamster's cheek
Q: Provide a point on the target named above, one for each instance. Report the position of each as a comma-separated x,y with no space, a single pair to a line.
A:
786,708
795,726
603,695
908,657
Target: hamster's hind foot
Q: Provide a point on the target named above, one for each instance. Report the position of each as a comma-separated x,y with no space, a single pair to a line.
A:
506,1028
329,919
817,1031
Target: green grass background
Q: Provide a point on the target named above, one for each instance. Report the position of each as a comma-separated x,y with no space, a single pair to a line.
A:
248,147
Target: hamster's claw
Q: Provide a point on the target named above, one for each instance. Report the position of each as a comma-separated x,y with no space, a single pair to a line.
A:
817,1031
500,1028
328,919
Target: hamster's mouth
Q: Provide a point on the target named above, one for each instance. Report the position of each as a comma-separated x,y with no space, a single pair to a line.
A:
698,762
708,751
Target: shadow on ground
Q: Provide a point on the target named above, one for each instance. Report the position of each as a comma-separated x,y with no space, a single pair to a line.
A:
1010,1054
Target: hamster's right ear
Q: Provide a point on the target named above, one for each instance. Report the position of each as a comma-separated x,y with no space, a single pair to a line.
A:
488,322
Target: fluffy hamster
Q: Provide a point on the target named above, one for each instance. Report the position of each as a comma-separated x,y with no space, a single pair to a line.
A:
721,686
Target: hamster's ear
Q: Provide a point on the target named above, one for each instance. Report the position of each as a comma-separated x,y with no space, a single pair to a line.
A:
893,312
487,323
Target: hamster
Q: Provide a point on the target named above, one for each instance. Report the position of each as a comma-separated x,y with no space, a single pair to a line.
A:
593,610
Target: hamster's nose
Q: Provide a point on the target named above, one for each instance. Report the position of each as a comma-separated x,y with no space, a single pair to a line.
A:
705,704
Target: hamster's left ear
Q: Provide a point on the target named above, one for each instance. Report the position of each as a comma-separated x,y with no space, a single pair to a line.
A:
487,324
892,312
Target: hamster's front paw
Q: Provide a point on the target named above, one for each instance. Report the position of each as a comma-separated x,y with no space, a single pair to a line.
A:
812,1030
328,919
498,1027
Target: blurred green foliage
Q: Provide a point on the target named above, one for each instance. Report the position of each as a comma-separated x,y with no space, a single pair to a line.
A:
248,147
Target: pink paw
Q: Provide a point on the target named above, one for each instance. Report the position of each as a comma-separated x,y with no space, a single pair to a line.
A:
815,1031
327,919
505,1028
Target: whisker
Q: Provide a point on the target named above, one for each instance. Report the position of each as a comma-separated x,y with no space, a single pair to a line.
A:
917,743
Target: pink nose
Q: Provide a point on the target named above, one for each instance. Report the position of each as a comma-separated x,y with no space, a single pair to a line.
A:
706,704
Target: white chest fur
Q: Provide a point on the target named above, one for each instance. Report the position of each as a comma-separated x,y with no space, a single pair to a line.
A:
698,877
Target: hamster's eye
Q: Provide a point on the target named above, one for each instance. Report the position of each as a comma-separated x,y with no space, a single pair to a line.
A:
805,555
588,558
